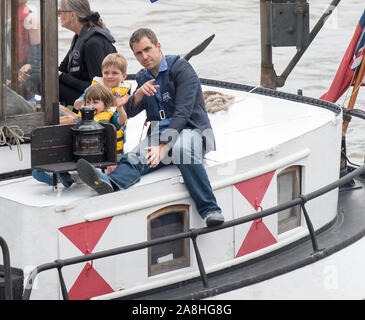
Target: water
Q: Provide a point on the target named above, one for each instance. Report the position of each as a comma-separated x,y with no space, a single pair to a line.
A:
235,53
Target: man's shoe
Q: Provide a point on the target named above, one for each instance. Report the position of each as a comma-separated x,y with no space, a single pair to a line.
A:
93,178
214,219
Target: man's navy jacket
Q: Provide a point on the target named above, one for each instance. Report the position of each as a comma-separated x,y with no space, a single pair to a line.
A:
182,100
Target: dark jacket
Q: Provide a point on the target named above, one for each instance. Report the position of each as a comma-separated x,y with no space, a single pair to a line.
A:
184,104
84,59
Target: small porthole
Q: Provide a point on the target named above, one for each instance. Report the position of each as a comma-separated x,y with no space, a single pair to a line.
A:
289,188
171,255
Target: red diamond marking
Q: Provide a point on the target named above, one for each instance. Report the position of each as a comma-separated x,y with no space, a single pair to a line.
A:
254,189
86,235
258,237
89,284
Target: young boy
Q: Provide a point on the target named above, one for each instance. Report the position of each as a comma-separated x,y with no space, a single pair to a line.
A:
114,70
104,102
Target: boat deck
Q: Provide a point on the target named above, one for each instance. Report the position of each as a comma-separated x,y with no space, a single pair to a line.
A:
346,229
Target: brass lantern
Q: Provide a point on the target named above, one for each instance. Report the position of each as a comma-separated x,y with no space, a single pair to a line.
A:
88,137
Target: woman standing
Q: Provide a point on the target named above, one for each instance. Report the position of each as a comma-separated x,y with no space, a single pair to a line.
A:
91,44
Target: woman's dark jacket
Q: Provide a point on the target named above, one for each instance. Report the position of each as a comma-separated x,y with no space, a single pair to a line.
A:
84,59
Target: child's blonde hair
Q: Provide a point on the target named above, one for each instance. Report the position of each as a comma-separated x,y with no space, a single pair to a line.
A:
99,92
115,60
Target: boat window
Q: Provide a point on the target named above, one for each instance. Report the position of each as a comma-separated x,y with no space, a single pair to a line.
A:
28,39
23,87
289,188
172,255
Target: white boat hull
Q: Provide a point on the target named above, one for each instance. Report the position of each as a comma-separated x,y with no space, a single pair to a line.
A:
265,136
337,277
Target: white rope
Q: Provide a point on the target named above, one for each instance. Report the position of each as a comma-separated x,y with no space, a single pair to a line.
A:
10,136
216,101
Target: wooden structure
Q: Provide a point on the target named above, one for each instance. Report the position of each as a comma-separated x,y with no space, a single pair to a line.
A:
51,149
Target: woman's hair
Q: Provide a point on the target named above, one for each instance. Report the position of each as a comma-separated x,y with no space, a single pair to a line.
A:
99,92
83,12
116,60
141,33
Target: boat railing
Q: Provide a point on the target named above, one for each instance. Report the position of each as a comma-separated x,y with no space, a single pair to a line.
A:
193,234
7,270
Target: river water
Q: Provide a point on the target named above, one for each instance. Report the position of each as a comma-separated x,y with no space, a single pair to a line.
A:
235,53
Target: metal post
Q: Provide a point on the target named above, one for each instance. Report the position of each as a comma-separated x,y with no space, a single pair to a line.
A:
268,75
299,11
312,233
7,270
62,283
200,263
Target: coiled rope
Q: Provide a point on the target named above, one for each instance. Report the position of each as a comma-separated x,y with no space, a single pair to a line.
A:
216,101
10,136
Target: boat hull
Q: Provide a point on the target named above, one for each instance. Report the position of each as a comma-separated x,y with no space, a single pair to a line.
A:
337,277
267,135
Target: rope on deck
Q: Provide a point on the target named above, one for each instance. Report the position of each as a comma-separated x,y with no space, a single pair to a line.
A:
216,101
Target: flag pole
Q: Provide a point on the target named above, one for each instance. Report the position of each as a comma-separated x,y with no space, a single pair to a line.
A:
355,91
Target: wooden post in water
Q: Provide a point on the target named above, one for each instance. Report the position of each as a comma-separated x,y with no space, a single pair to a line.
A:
355,91
268,75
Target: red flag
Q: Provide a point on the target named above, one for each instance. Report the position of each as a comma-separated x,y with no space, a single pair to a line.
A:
345,74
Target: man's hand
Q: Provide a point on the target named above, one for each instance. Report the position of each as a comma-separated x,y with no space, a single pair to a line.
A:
156,154
148,89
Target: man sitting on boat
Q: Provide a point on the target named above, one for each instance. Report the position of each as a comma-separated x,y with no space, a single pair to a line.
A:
170,92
